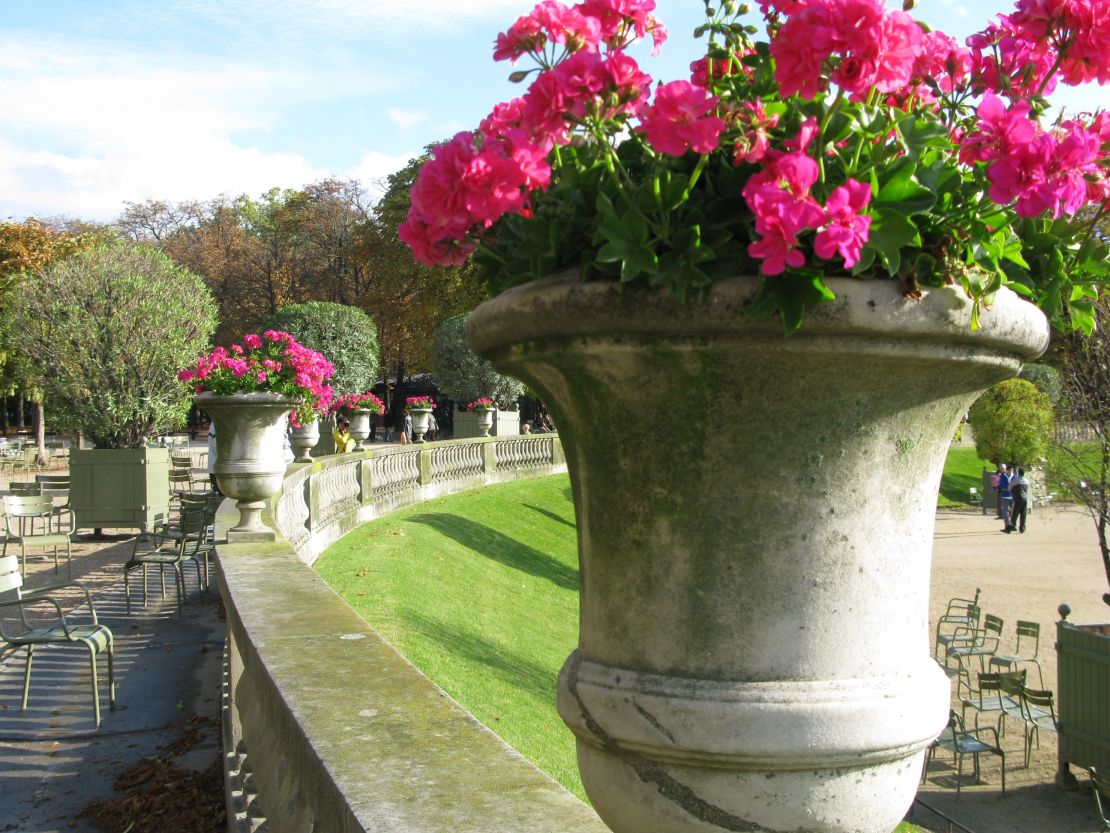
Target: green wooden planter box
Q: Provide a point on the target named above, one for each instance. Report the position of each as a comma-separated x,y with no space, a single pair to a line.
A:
1083,681
124,488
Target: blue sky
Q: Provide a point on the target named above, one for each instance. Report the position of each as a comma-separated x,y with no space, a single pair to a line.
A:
108,101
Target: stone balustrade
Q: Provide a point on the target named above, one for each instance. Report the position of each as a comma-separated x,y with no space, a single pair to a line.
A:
326,727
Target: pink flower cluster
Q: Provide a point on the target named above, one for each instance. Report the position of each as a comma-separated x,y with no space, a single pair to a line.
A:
477,178
273,362
1055,172
784,208
1042,42
354,401
419,402
482,403
868,46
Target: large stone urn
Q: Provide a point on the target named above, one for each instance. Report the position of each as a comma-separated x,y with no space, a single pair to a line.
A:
360,426
753,651
303,440
250,464
419,422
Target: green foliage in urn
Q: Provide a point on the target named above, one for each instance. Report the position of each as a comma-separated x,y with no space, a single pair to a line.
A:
1013,423
463,375
1047,379
105,332
345,335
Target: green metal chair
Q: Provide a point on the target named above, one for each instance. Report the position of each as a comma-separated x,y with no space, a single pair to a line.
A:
1039,712
960,741
960,613
968,642
1028,633
994,693
25,488
170,546
1100,786
34,521
55,627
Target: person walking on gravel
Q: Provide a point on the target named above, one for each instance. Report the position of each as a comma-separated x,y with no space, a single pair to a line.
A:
1019,496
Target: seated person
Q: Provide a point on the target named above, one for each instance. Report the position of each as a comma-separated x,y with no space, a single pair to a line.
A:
344,442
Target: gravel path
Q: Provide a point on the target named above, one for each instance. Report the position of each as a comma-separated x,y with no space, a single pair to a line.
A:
1022,577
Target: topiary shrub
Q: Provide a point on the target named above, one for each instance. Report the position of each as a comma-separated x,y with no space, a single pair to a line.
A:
105,331
462,375
1047,379
345,335
1013,423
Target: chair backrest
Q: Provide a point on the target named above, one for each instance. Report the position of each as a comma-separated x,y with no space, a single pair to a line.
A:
179,475
25,489
27,506
1028,632
1042,698
992,624
10,577
181,461
1012,683
53,481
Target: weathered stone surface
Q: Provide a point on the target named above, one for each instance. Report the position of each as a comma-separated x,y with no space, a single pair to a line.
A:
753,651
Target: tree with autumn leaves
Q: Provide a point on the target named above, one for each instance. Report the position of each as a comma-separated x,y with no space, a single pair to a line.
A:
26,249
324,242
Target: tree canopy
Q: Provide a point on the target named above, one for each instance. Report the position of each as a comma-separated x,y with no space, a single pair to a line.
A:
465,376
345,335
105,330
1013,423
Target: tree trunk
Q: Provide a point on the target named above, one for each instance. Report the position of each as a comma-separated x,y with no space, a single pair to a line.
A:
19,410
4,414
40,433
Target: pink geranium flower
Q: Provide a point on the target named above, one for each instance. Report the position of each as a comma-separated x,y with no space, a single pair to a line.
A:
682,117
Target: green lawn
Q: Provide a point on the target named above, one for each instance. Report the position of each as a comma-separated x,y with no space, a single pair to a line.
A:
480,591
962,470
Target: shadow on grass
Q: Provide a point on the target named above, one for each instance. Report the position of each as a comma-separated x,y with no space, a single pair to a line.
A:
500,547
515,669
547,513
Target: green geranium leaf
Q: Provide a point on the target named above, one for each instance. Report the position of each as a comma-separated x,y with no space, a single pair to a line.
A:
891,230
902,192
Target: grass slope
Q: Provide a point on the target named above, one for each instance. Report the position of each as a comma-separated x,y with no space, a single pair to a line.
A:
962,469
480,592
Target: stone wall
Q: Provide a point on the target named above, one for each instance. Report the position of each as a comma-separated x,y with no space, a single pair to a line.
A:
327,728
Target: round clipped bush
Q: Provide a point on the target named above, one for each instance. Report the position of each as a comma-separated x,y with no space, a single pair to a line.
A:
345,335
1013,423
465,377
1047,379
105,332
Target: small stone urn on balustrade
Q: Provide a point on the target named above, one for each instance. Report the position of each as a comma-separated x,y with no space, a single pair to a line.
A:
250,464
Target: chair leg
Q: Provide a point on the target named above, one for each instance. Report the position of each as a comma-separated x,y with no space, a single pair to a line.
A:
69,561
127,589
111,674
27,675
95,689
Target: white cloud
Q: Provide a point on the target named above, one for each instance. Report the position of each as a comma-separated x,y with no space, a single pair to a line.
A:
374,167
407,118
86,132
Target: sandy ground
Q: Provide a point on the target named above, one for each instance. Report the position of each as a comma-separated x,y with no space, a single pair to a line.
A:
1021,577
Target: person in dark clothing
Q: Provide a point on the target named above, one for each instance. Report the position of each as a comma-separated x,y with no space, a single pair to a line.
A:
1019,495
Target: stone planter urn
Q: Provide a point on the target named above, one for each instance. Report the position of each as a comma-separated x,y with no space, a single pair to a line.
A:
303,440
360,426
249,467
485,420
753,651
419,422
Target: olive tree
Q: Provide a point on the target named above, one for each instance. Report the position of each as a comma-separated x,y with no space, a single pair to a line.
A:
105,331
462,374
345,335
1013,423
